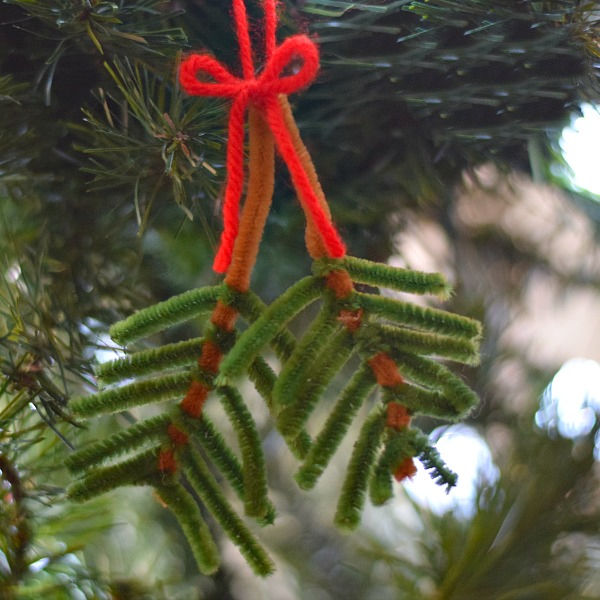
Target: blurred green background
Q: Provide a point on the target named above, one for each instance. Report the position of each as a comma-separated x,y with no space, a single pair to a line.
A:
435,127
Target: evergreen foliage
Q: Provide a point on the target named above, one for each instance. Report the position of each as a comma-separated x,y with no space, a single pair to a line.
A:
98,144
456,82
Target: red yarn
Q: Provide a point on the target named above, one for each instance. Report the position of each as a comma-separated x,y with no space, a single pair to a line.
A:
194,399
340,282
270,27
351,319
405,470
397,416
166,461
262,91
385,370
179,438
241,30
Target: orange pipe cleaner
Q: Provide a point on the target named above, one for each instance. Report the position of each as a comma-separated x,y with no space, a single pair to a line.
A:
262,91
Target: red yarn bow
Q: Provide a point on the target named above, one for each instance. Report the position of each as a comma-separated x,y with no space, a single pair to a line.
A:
262,91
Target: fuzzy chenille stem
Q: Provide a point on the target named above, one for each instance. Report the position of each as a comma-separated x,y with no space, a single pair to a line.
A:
314,243
224,316
261,171
186,511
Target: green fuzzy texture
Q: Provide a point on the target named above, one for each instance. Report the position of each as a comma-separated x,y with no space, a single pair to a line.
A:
166,387
209,492
302,362
300,445
133,471
157,317
204,432
212,442
223,339
398,446
283,344
266,327
330,437
263,378
251,307
182,505
403,280
232,297
354,488
432,460
417,342
323,368
309,366
381,485
150,361
421,401
457,398
118,443
438,321
256,502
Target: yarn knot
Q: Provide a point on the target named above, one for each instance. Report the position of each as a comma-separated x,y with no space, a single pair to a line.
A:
270,82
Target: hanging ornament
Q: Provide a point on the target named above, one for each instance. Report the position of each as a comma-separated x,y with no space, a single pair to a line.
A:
389,343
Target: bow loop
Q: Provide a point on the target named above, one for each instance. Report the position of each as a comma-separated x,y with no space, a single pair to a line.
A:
298,46
223,84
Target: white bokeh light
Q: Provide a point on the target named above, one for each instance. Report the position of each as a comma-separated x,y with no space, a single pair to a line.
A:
579,144
572,400
466,453
107,350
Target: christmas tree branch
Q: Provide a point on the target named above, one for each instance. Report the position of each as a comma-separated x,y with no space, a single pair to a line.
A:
17,537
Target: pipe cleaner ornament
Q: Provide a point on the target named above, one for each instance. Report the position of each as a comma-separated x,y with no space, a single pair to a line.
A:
179,451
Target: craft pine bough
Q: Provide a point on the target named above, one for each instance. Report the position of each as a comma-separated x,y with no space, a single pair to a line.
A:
390,341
